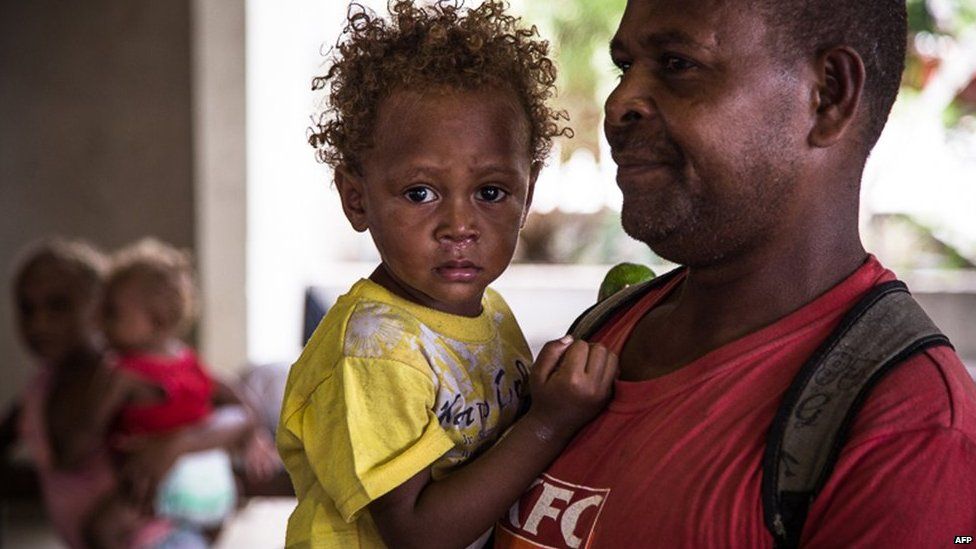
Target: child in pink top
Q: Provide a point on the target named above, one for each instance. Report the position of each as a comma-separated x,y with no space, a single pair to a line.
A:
56,291
149,302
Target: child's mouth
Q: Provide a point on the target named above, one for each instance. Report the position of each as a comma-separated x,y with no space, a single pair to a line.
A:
458,271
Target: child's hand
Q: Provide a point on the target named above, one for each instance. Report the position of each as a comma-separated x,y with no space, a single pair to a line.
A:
570,384
147,459
261,460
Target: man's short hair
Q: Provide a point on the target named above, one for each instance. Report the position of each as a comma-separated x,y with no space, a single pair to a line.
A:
876,29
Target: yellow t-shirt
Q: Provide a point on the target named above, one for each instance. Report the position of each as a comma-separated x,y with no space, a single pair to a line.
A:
384,388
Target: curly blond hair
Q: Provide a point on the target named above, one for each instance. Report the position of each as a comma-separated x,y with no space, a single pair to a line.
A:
436,45
164,276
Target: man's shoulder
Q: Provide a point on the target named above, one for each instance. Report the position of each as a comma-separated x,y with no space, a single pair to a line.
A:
929,391
916,434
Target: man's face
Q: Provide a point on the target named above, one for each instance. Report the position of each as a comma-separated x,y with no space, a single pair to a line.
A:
706,127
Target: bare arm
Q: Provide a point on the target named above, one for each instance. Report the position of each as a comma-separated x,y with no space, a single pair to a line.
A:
16,478
230,394
8,428
454,511
259,456
110,390
149,457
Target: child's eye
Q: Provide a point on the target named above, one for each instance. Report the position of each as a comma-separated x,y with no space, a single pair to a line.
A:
420,195
59,304
492,193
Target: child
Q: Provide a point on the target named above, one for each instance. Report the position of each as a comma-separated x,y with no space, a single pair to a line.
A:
57,287
437,129
160,388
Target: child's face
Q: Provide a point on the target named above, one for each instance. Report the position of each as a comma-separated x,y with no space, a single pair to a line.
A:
444,192
55,317
127,319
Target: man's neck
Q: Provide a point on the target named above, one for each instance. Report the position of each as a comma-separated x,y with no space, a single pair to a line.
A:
746,295
720,303
810,250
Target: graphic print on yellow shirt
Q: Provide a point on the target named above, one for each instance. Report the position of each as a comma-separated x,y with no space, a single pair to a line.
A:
384,389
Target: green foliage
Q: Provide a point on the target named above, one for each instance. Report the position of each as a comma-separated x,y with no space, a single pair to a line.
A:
955,17
919,18
955,112
581,32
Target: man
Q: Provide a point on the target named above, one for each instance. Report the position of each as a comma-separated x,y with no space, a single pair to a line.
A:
740,131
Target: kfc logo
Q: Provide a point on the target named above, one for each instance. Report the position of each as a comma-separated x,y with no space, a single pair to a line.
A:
552,513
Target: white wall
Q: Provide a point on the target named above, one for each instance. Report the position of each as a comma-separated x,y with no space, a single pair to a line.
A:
296,229
219,176
95,134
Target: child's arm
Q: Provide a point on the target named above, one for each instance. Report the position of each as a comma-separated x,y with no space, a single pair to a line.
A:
454,511
8,428
149,457
16,479
260,459
114,388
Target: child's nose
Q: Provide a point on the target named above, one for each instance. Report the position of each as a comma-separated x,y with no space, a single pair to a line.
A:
457,224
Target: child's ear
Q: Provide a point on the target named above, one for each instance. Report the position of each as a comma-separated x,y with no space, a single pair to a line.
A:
533,176
351,193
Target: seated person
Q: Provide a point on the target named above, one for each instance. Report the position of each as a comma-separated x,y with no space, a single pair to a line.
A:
57,288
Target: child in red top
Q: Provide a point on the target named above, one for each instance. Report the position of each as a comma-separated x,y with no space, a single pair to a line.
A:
184,381
161,387
149,303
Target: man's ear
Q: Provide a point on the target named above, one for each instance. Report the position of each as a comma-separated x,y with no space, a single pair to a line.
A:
351,193
840,85
533,176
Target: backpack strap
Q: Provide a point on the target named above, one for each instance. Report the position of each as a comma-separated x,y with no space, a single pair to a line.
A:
597,315
813,420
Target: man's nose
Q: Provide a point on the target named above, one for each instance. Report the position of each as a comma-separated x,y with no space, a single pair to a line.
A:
630,101
458,223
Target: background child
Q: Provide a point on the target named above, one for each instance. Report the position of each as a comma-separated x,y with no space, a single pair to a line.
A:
437,129
160,386
57,288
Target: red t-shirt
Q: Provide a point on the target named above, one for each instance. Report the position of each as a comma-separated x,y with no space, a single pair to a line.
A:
187,386
676,461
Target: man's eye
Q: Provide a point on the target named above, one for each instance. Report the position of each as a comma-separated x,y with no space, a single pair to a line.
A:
492,193
621,66
673,63
420,195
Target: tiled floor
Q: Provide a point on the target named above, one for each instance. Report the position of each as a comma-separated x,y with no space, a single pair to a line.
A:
260,524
